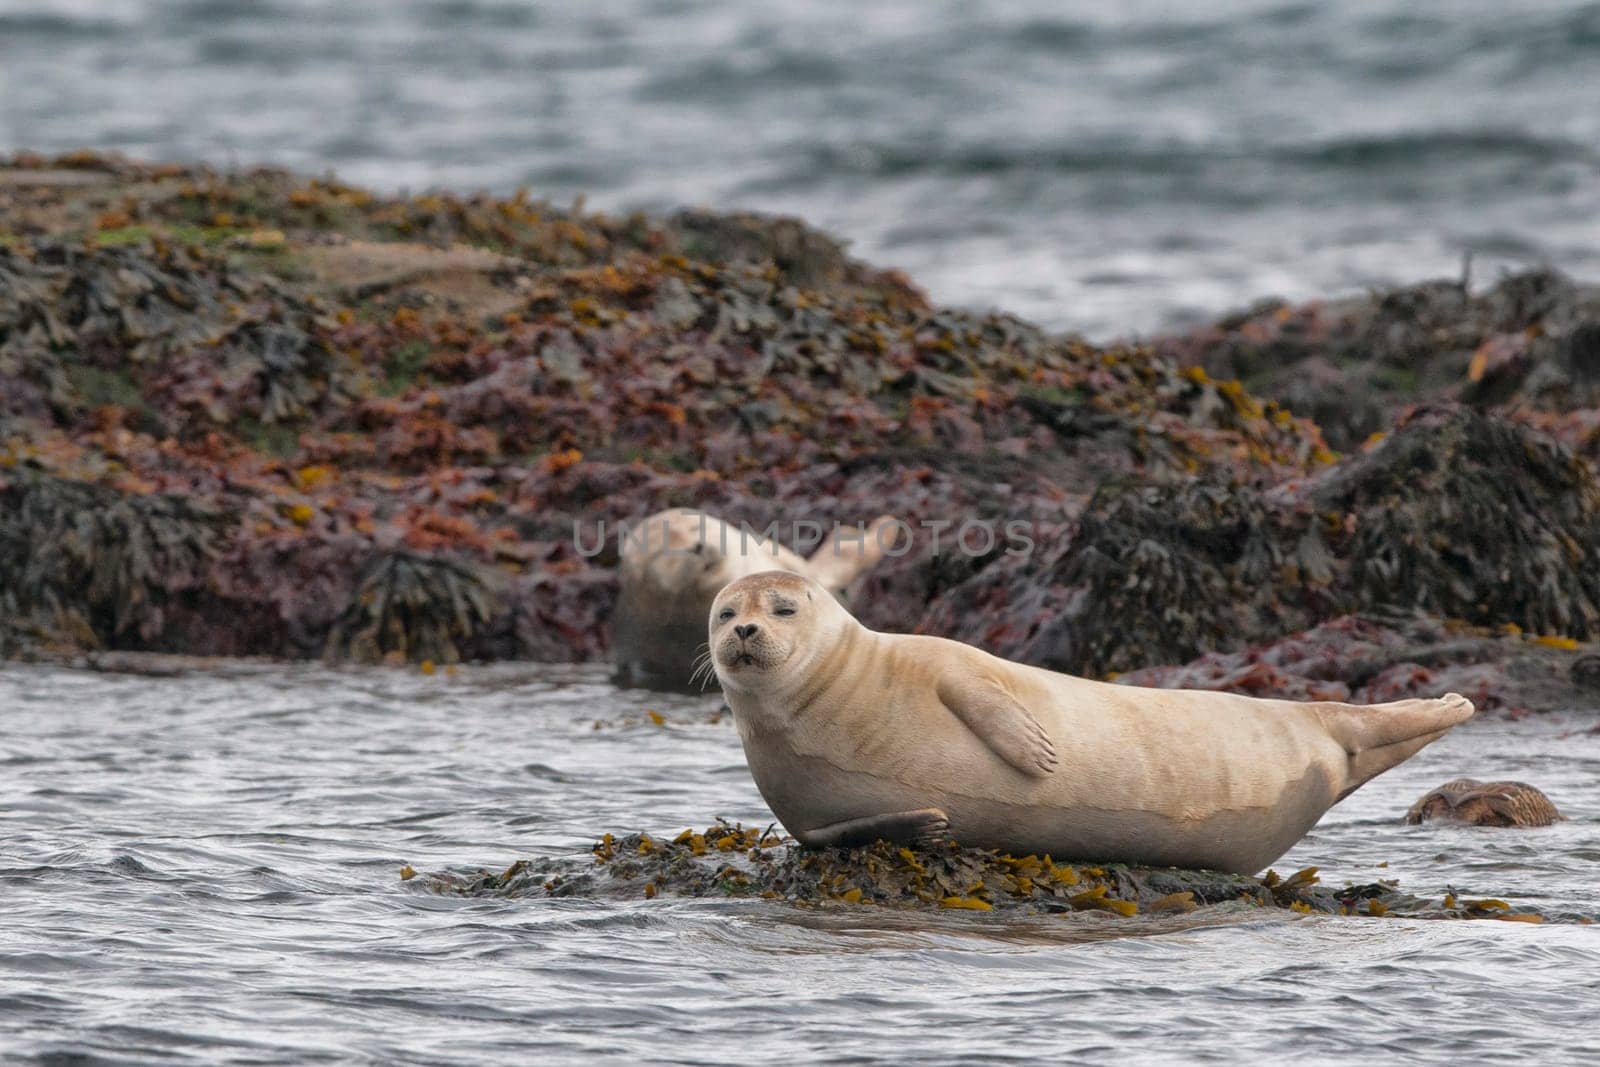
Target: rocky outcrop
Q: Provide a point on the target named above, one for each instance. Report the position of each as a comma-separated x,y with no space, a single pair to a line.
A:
256,414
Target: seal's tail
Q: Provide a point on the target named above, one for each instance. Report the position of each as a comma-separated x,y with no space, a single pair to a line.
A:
1380,736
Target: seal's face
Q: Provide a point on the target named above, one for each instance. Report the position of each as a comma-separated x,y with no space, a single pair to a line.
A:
760,624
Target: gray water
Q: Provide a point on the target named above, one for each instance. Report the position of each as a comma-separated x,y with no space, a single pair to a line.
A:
1110,168
205,869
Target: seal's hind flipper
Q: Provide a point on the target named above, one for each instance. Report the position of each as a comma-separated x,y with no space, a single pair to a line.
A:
1380,736
1000,721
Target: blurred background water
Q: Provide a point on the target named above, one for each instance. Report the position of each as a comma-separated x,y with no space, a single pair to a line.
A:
1109,168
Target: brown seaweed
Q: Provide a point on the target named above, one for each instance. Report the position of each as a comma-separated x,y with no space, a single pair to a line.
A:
727,860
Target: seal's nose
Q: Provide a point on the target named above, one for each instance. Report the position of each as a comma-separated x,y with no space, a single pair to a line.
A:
745,632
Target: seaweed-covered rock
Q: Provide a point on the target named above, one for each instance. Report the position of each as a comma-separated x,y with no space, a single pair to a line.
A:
90,565
1370,659
1455,513
413,607
410,413
733,861
181,338
1529,345
1470,517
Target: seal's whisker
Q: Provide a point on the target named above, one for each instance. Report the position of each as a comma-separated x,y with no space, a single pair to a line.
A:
706,679
704,669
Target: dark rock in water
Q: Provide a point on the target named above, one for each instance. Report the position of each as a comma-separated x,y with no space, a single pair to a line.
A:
1468,800
732,861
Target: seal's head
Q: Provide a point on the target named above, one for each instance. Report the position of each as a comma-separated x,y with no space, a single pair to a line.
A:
685,556
767,627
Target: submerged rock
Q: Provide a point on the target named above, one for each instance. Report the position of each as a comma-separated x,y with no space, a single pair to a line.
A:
733,861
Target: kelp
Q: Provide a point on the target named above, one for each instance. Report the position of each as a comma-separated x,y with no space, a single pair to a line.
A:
413,607
727,860
1454,514
89,564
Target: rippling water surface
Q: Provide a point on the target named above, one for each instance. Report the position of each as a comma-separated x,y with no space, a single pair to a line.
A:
1102,167
206,869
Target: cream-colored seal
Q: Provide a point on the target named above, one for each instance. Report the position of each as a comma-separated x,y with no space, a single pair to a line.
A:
673,563
854,735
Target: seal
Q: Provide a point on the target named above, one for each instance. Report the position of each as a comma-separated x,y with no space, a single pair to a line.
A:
1486,804
672,565
853,735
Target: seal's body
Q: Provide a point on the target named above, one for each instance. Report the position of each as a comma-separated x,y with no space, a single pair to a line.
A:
853,735
672,565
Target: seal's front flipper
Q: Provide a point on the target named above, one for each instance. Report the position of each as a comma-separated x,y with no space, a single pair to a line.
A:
923,828
1000,721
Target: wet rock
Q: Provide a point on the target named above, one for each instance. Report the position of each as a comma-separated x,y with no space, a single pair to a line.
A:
733,861
174,665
